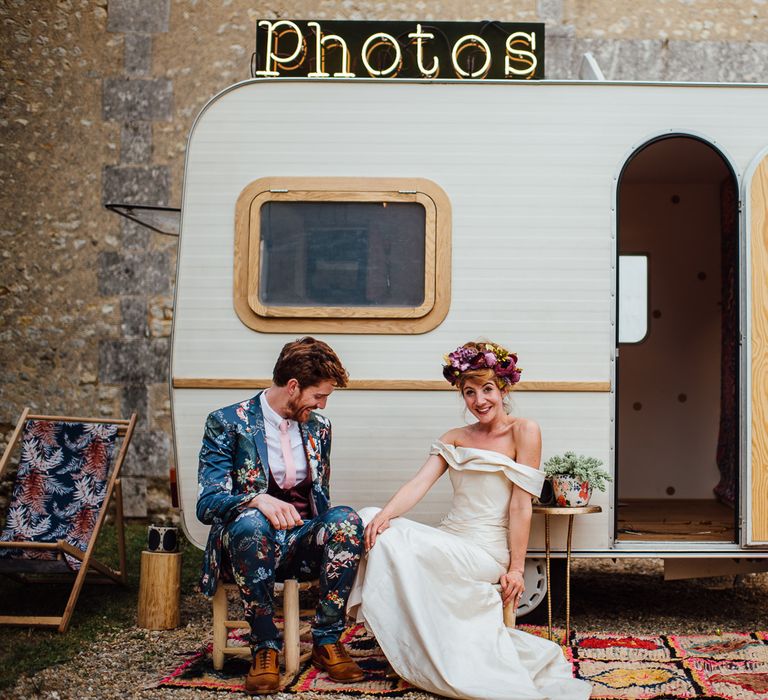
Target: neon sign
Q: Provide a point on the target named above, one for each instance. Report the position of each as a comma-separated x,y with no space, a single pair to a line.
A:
427,50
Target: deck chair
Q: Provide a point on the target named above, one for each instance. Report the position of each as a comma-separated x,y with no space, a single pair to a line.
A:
68,473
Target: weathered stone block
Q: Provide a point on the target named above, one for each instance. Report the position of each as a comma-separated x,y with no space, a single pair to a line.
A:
136,142
134,273
160,317
137,54
141,185
138,99
134,314
134,235
135,398
148,16
134,361
623,59
726,62
660,60
159,502
134,494
561,61
118,275
151,455
550,11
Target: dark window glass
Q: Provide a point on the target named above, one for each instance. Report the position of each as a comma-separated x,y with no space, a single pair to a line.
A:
342,254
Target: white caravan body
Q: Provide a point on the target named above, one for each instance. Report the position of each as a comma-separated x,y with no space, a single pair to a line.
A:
532,174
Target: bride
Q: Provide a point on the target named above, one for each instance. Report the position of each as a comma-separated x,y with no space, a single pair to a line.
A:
428,594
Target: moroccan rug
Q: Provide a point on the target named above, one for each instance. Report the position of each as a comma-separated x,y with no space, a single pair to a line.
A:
729,666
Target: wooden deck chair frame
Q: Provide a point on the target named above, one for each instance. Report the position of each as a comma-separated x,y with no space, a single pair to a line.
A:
91,570
292,627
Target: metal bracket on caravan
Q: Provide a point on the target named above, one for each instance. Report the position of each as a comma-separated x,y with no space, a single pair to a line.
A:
589,70
165,220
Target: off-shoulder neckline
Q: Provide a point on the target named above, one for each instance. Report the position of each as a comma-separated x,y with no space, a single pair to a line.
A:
480,449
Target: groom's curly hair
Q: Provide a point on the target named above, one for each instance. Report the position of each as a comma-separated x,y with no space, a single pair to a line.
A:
309,361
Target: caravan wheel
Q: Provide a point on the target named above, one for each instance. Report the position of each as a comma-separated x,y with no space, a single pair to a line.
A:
533,606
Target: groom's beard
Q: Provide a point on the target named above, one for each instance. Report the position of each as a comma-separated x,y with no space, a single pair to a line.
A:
298,412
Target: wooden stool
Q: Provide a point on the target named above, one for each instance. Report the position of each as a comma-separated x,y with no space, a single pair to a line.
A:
510,614
159,589
292,627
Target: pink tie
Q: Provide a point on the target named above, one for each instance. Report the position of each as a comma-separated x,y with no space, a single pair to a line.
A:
289,481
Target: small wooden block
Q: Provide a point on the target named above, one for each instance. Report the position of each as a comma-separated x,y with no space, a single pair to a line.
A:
159,590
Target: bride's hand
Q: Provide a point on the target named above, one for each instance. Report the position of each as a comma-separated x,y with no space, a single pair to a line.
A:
512,588
374,529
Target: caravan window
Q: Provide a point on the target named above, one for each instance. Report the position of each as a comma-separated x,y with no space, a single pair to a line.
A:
336,254
633,298
342,255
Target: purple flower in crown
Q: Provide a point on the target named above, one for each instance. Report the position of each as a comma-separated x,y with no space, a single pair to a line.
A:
473,356
508,369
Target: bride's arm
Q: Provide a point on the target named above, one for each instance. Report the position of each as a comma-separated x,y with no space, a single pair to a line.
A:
406,497
528,453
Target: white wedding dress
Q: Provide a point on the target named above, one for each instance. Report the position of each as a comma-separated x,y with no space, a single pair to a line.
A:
427,593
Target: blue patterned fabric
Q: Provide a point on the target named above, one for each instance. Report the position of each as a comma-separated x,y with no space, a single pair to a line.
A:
243,545
233,468
328,546
60,486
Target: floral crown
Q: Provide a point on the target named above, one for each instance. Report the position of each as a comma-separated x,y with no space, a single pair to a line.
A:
482,356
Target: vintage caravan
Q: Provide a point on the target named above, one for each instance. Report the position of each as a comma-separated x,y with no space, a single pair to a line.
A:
614,235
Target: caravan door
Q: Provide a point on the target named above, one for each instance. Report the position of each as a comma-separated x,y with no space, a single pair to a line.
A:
755,501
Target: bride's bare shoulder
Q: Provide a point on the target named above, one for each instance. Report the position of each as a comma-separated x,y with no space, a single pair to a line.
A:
455,436
525,429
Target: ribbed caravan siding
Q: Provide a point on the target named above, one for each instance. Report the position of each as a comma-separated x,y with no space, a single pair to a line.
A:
381,438
529,171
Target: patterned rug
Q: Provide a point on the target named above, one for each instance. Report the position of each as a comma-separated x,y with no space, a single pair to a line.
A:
729,666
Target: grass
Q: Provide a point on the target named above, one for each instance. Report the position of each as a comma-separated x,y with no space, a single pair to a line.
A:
100,608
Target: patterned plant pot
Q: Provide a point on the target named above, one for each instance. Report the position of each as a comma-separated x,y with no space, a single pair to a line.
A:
570,492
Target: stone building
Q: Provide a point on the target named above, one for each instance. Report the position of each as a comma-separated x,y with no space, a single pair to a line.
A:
97,99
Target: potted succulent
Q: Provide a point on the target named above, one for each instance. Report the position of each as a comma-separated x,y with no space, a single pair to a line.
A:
573,478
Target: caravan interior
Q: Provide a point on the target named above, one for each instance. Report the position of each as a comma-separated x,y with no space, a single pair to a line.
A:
677,373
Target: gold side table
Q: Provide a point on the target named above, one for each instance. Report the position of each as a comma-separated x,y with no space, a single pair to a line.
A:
547,511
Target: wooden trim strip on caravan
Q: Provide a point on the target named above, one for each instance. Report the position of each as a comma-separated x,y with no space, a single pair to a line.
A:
759,389
305,319
387,385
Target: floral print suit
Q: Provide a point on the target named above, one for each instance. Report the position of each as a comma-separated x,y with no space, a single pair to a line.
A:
243,545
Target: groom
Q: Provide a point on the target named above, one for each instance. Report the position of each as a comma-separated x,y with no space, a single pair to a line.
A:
263,488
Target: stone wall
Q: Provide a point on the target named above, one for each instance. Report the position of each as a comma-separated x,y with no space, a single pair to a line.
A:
97,100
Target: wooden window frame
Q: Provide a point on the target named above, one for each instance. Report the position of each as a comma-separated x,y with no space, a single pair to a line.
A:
342,319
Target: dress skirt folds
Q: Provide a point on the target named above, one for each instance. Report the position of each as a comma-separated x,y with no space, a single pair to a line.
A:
428,594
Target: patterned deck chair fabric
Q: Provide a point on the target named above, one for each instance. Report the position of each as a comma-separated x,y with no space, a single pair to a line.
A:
68,474
59,487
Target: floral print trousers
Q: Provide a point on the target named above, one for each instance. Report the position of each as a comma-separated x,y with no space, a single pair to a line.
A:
327,546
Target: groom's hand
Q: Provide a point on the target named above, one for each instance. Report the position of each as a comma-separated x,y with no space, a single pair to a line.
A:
281,515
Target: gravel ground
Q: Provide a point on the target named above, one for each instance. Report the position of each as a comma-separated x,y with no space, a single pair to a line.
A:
628,596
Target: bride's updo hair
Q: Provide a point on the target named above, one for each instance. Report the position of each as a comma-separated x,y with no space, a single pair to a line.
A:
483,361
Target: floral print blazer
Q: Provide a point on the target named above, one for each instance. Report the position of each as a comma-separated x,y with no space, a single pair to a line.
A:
234,468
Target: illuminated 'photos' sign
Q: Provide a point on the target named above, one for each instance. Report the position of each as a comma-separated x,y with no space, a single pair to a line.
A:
454,50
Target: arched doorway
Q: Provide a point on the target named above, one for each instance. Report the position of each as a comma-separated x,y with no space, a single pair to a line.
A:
677,373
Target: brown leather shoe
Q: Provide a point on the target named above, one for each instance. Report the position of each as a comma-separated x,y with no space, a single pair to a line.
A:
264,675
335,660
